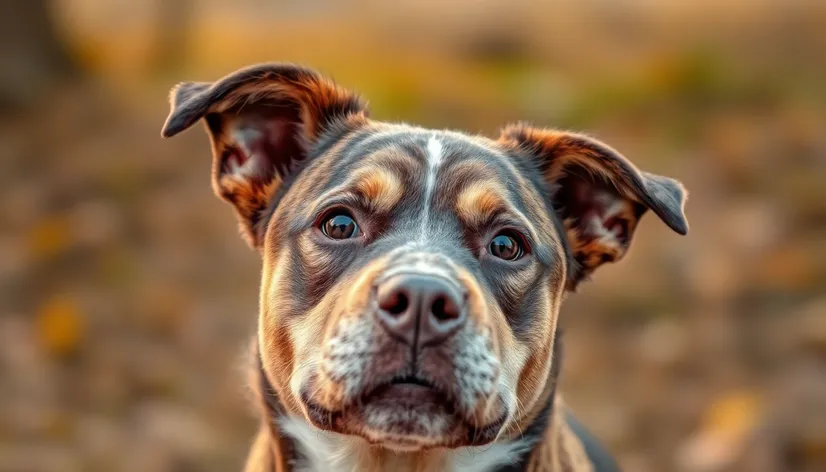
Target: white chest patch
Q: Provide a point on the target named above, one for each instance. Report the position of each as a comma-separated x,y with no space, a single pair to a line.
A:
321,451
329,452
489,458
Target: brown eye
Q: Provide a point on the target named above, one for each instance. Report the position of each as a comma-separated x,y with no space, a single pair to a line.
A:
506,246
340,226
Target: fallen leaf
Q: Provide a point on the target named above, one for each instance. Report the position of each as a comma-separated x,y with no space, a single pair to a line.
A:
723,433
59,327
49,237
734,414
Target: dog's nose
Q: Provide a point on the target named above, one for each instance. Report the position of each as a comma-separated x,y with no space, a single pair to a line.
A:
420,309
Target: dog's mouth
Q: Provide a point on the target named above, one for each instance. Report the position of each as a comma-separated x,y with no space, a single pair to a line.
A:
412,393
404,413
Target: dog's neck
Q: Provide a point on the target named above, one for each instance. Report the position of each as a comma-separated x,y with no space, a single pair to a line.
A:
322,451
295,445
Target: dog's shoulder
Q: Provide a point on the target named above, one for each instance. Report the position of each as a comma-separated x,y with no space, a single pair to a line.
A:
598,456
567,446
261,457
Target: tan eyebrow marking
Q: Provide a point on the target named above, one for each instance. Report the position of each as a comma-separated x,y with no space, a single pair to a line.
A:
480,200
376,180
380,186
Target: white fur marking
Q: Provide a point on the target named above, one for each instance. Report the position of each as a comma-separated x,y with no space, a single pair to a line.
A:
434,152
330,452
323,451
488,458
434,160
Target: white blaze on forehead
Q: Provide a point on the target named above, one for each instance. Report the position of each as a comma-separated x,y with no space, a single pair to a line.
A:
434,152
434,160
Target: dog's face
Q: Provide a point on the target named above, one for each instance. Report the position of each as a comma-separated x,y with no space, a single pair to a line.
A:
412,278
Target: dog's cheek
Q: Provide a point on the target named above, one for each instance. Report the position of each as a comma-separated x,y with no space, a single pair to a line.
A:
281,337
323,266
511,357
278,359
349,337
278,282
477,362
526,352
355,301
477,370
515,292
344,361
535,368
515,356
534,374
304,337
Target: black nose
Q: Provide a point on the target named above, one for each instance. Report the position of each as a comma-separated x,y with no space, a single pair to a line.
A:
420,309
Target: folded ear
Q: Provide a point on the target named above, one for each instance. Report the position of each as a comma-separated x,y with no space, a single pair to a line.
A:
262,121
597,193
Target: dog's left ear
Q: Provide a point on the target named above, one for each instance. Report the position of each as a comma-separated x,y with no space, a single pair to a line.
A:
597,193
263,121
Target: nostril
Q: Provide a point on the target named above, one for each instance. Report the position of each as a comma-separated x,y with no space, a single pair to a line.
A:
395,304
444,309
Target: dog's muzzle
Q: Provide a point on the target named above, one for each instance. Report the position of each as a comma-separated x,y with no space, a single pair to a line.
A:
415,366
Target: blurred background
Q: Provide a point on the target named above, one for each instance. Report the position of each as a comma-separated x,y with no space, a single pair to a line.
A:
127,296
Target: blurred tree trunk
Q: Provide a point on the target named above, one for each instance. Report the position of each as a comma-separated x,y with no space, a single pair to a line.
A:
32,57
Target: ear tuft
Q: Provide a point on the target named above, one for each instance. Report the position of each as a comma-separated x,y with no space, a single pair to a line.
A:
670,197
183,99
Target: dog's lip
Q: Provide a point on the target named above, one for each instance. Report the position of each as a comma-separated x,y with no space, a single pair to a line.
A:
487,433
410,390
411,384
410,379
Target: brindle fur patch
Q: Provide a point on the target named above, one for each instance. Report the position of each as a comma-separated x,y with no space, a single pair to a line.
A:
290,145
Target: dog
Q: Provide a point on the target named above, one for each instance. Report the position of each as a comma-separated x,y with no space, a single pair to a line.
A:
412,278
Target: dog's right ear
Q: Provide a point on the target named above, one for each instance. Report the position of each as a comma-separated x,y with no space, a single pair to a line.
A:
262,121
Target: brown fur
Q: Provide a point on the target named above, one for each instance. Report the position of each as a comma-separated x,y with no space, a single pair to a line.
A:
279,135
560,450
479,202
380,187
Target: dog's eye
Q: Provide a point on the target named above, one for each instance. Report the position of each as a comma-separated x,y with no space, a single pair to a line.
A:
506,246
340,226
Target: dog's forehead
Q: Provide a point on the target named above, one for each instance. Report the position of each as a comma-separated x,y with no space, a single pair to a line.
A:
423,154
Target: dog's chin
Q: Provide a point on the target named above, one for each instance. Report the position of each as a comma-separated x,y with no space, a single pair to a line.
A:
405,417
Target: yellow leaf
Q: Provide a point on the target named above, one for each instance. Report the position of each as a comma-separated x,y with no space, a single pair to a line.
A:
734,415
59,327
49,237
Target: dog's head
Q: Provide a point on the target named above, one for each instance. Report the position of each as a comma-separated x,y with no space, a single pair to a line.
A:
412,278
